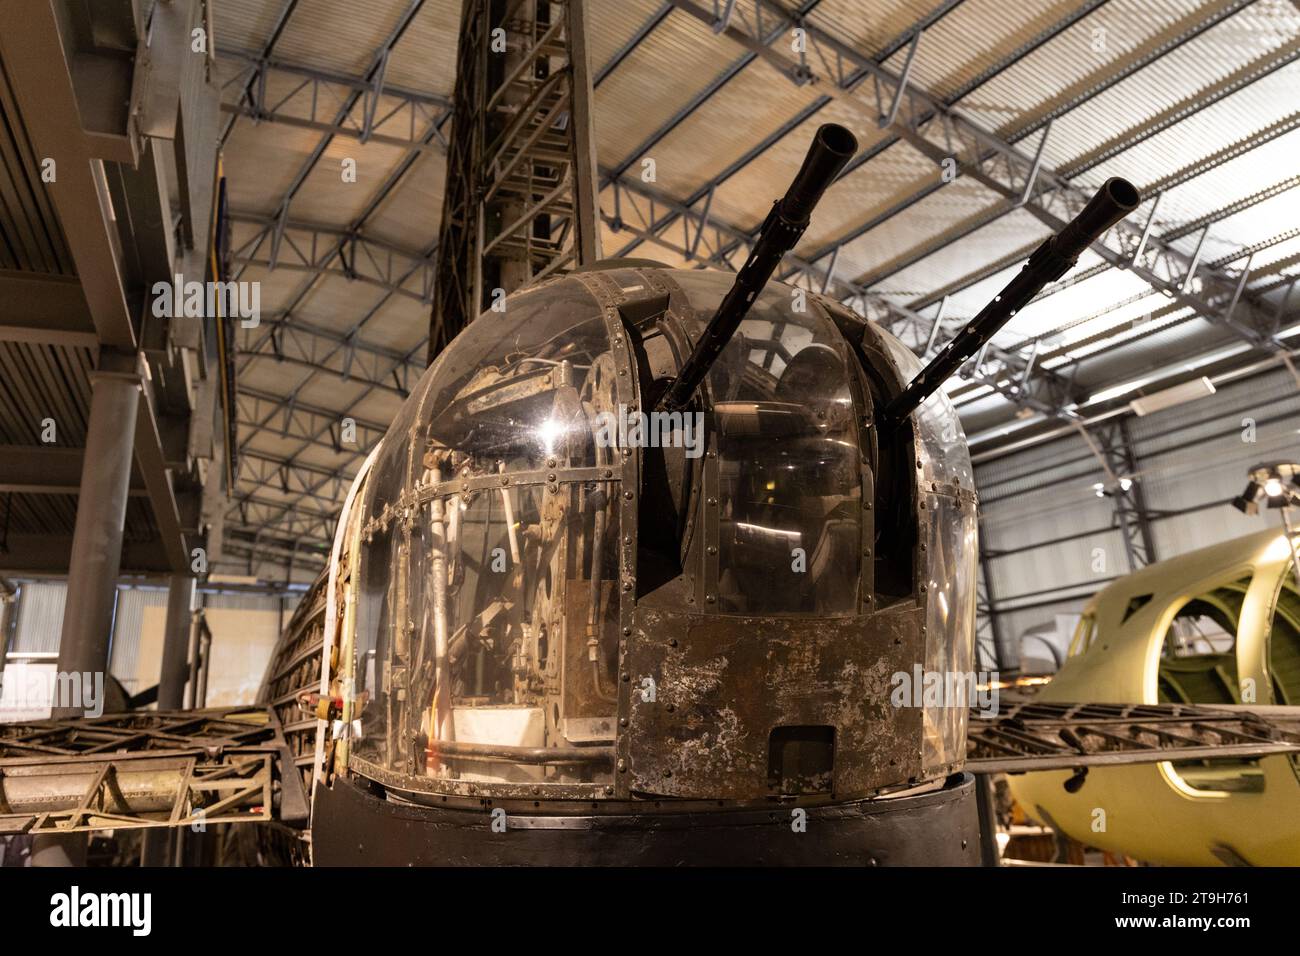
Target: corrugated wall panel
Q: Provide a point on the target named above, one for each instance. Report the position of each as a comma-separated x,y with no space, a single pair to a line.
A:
131,604
40,617
1191,459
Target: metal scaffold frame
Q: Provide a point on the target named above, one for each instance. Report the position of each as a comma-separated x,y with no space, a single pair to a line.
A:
147,769
1065,736
521,198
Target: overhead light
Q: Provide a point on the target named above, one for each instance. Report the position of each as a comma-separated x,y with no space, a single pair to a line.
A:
1275,483
1169,397
1247,501
1278,483
1122,486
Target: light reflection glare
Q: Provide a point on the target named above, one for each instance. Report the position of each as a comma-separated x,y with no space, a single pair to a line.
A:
549,432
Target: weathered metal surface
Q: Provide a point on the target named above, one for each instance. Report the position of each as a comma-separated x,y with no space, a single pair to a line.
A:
723,684
938,828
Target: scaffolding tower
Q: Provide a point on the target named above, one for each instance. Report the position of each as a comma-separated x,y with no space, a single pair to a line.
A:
521,190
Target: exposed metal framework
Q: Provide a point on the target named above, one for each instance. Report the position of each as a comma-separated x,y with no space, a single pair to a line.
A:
295,672
296,342
1058,736
1123,486
1025,182
83,246
322,250
521,198
354,97
1035,375
989,639
147,769
371,112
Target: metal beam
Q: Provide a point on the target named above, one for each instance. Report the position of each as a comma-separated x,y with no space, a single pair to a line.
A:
1111,443
157,474
264,472
354,229
101,515
310,103
944,135
1086,90
48,470
304,534
51,554
350,101
634,41
281,22
725,76
300,421
649,210
1166,183
328,250
175,668
314,339
849,79
48,309
1068,357
520,199
38,70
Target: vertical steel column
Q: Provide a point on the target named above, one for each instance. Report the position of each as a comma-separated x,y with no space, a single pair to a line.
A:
456,287
195,657
1001,656
159,846
8,600
176,643
1131,512
585,172
101,515
986,804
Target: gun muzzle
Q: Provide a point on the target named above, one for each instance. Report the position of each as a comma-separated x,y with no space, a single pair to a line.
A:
1113,201
831,148
1054,258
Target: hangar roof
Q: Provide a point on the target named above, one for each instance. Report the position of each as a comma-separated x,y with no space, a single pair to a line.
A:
1038,103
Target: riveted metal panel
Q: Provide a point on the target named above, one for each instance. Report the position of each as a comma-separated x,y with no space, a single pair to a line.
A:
721,684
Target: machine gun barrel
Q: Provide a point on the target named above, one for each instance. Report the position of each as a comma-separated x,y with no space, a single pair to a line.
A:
831,148
1057,255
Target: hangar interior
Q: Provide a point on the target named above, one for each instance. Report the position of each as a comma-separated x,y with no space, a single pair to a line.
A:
171,489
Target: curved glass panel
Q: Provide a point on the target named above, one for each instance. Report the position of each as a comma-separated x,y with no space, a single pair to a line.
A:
951,536
789,468
487,620
486,637
946,458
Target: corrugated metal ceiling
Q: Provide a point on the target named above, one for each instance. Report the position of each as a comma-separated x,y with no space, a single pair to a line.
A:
1163,85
